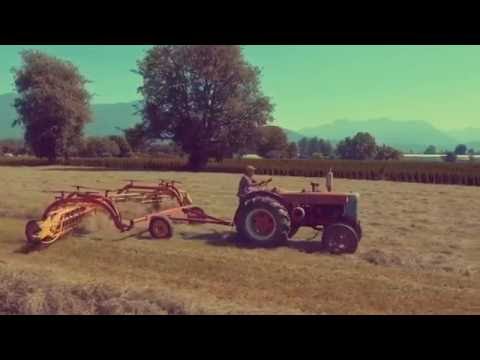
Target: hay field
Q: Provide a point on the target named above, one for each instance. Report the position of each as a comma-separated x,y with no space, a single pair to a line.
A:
420,255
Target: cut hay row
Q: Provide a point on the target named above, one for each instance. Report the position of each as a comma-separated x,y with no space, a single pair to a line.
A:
404,171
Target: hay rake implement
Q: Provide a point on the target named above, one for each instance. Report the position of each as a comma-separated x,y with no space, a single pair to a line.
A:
69,208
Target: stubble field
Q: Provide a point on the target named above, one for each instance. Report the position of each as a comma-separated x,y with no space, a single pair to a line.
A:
420,254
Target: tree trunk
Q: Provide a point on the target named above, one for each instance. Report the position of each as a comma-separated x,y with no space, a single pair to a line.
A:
198,160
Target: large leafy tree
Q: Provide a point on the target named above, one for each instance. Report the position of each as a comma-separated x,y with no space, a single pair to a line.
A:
325,147
292,150
310,146
386,152
302,148
136,137
271,140
361,147
206,98
313,146
431,150
52,104
461,149
124,147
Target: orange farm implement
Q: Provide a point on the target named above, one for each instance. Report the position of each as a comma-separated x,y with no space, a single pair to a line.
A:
69,208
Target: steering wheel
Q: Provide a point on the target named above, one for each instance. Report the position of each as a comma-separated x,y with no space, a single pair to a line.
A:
265,182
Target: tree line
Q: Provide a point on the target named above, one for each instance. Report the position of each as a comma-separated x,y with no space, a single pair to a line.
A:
272,143
15,147
361,146
96,146
451,156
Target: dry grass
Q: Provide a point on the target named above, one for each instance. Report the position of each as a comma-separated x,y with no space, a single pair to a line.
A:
420,255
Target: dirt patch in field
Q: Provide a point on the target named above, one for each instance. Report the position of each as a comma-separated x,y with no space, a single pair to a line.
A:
378,257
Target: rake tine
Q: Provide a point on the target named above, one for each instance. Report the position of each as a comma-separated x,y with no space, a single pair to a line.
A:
91,188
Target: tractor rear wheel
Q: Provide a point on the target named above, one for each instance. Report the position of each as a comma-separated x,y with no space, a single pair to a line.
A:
263,221
340,238
161,227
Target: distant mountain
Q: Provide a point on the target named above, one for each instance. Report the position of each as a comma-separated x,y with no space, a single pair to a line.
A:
106,118
467,135
404,135
292,135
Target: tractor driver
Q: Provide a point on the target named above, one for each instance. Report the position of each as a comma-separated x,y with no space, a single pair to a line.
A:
248,183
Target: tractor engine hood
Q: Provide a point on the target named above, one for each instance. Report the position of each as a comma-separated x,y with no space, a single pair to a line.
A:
348,200
320,198
351,210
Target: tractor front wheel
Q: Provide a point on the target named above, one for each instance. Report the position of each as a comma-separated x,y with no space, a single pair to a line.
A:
161,227
340,238
355,225
263,221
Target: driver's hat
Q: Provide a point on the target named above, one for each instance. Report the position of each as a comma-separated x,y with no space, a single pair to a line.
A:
250,168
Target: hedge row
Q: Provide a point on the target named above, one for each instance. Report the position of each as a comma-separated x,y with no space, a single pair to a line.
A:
405,171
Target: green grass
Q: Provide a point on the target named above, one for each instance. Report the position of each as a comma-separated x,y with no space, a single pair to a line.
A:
420,254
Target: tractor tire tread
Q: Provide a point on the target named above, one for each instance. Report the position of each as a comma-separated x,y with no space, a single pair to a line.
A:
280,213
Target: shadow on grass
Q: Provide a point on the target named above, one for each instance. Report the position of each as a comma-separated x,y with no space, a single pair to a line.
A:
231,239
29,248
142,235
216,238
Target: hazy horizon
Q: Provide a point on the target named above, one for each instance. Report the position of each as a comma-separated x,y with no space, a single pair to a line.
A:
311,85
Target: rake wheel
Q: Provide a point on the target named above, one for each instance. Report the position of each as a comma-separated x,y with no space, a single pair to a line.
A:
160,227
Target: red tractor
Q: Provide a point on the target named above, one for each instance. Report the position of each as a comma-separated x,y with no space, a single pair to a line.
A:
271,217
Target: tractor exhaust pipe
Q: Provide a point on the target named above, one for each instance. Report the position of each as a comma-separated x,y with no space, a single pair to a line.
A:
329,180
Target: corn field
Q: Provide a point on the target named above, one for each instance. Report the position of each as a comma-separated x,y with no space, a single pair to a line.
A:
404,171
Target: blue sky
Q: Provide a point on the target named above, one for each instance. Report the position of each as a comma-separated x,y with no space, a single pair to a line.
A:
311,85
